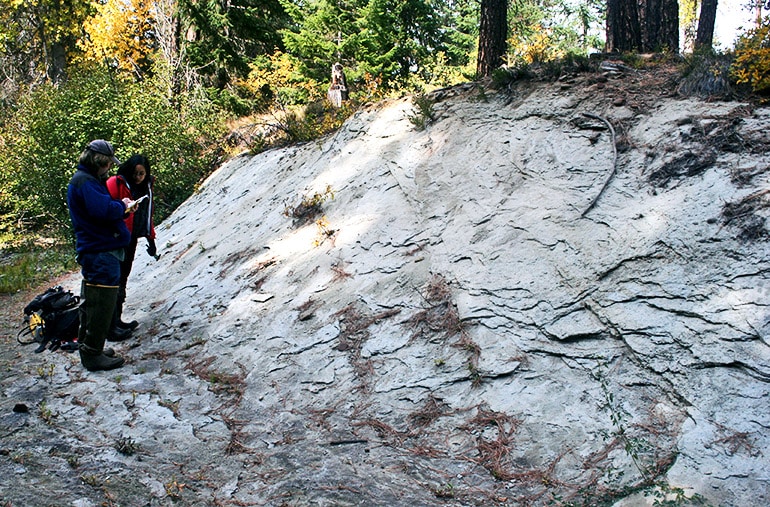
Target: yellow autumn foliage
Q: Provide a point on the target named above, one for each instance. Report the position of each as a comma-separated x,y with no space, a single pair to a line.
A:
121,34
538,47
752,58
279,73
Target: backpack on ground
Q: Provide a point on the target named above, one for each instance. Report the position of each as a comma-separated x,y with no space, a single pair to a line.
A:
51,320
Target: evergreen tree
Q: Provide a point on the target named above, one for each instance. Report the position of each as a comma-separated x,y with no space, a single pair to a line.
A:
493,31
647,25
661,26
541,31
393,41
623,27
706,22
322,32
221,37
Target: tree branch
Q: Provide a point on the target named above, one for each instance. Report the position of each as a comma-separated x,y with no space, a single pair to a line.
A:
614,162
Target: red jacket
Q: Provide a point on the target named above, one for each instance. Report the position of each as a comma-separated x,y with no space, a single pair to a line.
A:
118,188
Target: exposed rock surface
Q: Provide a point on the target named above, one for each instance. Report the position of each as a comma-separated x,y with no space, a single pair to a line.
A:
515,306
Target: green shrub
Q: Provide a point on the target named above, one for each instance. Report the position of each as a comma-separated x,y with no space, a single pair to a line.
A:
42,138
752,58
503,77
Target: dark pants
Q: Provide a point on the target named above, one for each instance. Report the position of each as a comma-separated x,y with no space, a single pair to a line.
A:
102,268
127,263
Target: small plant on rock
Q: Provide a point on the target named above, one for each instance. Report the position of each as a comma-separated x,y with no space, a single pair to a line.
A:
445,491
424,113
126,446
310,207
46,414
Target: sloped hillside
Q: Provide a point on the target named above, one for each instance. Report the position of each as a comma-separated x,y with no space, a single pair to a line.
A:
555,294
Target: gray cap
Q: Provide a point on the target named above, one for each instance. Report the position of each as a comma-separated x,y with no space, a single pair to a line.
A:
103,147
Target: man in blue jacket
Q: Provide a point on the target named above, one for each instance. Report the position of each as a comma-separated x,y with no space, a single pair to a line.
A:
100,237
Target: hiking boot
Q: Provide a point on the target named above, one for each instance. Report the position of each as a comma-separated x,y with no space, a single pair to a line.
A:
118,334
118,320
130,326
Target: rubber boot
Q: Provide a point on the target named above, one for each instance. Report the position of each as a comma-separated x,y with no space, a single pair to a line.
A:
98,306
109,352
118,321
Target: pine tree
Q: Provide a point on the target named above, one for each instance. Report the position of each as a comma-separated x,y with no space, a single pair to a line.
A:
493,30
706,22
647,25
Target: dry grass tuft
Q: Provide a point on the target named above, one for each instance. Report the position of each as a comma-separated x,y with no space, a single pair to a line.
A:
389,434
441,318
432,410
339,271
495,431
231,385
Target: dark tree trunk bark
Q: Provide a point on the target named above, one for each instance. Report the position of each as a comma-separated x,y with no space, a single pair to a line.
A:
704,38
493,32
666,29
623,28
57,64
642,25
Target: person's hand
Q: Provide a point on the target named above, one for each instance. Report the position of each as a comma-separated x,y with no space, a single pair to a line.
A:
129,203
152,249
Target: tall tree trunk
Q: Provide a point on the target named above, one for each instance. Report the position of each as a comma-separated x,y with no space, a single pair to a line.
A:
493,31
58,63
661,26
668,33
623,29
706,21
643,25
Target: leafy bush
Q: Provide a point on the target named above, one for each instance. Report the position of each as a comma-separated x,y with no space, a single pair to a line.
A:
43,137
752,58
278,78
284,126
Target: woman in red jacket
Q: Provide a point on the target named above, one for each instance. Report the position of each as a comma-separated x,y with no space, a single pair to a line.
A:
134,181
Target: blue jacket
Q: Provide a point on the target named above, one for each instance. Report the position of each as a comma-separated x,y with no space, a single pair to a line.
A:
96,217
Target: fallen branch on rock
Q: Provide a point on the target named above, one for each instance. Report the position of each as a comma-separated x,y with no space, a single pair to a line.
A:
614,161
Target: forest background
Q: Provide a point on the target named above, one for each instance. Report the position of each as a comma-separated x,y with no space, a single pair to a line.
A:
188,82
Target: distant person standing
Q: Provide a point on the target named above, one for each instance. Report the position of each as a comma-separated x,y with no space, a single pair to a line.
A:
100,237
338,89
133,181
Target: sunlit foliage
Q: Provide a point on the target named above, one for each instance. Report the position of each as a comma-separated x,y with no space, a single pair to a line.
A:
752,58
396,43
37,37
121,34
550,30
